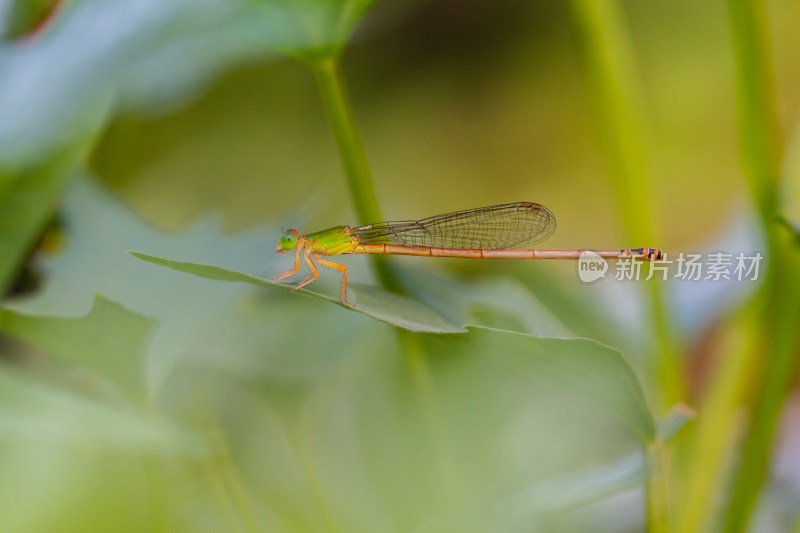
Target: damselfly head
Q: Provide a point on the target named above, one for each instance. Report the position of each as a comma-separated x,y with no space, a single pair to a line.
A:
287,241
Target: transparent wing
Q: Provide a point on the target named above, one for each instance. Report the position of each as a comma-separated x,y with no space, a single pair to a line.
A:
516,225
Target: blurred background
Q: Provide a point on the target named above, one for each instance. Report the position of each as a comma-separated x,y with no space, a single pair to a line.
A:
137,398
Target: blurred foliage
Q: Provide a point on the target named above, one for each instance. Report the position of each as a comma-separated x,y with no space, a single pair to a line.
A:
108,342
21,18
28,202
139,398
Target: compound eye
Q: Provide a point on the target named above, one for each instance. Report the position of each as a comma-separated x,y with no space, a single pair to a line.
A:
288,240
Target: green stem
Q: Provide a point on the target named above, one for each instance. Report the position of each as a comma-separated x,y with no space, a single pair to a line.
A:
351,150
618,101
780,342
758,125
333,92
777,325
656,488
711,444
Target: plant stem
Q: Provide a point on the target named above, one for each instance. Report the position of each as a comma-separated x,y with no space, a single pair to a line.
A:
333,92
351,150
777,334
619,105
656,487
618,102
711,444
780,346
758,125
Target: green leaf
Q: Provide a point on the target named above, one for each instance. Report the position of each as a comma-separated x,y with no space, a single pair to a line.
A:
498,302
326,25
27,199
527,404
148,53
110,340
98,229
535,506
596,371
20,18
29,410
570,491
371,301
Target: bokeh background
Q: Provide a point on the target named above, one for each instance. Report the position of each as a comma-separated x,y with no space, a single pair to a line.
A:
195,131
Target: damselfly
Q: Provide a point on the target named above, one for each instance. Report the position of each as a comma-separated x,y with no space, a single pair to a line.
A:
501,231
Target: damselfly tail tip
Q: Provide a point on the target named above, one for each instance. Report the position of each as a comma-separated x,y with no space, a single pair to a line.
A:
649,253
